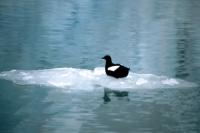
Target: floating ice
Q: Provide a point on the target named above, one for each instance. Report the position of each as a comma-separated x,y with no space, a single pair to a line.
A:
72,78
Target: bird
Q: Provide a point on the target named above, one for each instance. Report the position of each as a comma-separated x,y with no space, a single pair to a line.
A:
115,70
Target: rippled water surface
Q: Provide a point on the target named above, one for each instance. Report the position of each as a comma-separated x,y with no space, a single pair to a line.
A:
51,72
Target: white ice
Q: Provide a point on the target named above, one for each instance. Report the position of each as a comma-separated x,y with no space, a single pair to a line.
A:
83,79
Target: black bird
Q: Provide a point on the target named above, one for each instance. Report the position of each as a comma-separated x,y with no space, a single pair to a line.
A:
115,70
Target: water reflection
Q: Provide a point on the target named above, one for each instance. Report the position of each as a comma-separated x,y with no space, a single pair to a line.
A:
117,93
183,49
148,111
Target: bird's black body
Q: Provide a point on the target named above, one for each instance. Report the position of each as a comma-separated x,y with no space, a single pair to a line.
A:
119,72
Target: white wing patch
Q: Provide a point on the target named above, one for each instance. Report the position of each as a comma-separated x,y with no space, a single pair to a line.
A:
113,68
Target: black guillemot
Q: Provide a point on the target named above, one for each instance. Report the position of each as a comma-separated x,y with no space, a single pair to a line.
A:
115,70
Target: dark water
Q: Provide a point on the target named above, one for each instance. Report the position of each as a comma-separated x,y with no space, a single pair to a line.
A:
158,37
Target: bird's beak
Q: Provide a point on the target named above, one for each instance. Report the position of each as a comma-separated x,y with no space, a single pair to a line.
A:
102,58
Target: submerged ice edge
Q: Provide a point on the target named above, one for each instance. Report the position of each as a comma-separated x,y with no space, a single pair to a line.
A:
73,78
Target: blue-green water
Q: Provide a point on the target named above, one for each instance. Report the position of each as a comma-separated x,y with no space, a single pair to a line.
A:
158,40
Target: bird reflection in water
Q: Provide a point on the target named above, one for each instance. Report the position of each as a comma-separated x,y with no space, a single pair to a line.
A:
117,93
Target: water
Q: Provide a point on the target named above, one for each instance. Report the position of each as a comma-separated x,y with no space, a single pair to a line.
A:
51,75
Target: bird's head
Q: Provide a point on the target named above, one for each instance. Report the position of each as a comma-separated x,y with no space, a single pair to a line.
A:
107,58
